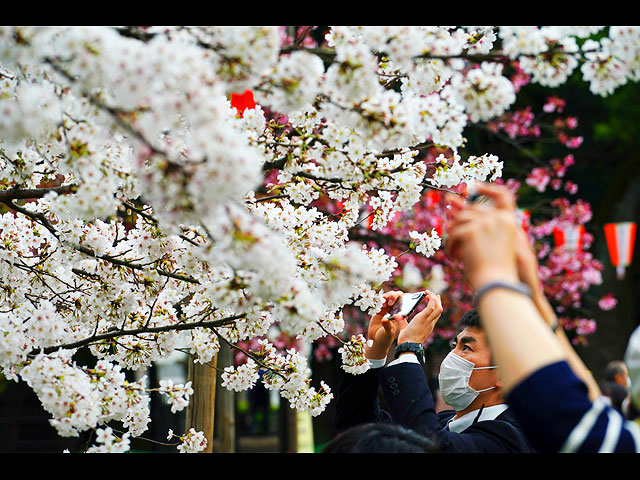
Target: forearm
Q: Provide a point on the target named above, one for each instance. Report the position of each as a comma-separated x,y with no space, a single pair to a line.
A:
520,342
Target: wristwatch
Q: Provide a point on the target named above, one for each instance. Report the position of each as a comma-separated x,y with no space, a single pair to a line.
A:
416,348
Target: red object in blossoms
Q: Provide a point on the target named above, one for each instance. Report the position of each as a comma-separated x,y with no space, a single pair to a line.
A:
569,237
432,197
620,240
525,218
242,101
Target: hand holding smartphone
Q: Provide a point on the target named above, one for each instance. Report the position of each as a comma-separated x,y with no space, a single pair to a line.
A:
474,197
405,304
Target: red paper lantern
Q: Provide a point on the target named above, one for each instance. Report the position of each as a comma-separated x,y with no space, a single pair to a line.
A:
524,217
620,239
569,237
438,224
242,101
432,197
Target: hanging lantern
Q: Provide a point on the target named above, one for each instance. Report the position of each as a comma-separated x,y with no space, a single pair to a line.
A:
524,218
432,197
569,237
243,101
371,213
438,224
620,239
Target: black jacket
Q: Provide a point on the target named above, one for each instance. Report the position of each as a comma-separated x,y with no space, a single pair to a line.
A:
410,404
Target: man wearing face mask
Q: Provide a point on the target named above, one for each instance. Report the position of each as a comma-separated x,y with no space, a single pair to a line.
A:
469,383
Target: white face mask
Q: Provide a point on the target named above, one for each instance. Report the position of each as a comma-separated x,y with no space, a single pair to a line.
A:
453,378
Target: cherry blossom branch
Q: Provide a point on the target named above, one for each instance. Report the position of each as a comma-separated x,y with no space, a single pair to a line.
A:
18,193
138,331
43,220
150,218
250,354
133,266
147,439
377,237
38,217
509,141
329,54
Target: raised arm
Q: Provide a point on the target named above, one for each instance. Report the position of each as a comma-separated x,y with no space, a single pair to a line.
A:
527,269
483,237
550,401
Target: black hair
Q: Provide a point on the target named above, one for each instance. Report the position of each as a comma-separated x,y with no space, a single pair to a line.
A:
616,393
470,318
379,438
614,368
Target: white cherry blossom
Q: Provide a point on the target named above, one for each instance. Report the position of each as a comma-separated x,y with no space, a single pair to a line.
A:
146,214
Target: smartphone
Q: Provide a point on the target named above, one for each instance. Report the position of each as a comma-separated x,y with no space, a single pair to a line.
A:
406,304
479,199
474,197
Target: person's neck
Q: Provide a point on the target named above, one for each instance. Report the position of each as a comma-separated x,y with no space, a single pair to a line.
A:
477,404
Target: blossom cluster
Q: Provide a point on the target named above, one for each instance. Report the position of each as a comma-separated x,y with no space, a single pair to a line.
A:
287,373
109,443
451,172
353,358
191,442
79,398
542,177
145,212
426,243
178,395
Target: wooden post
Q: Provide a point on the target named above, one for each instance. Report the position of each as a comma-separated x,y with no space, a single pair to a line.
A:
200,413
226,406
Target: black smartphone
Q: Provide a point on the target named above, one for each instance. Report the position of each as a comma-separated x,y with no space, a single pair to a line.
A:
406,304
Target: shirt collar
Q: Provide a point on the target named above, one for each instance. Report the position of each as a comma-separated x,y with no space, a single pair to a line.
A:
488,413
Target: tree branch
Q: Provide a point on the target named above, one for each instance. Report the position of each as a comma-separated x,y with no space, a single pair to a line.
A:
137,331
133,266
17,193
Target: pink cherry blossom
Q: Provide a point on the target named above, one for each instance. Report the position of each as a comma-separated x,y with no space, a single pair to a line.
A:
607,302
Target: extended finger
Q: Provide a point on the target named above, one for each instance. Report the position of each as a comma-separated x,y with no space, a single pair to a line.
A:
391,297
459,232
455,203
434,306
400,321
389,300
500,195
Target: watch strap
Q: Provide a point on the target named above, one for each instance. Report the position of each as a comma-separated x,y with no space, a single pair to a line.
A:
416,348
